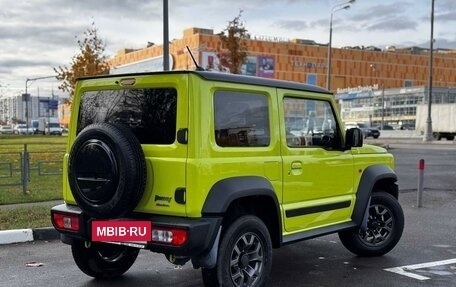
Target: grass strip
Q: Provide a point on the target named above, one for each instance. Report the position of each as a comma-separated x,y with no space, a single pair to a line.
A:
25,217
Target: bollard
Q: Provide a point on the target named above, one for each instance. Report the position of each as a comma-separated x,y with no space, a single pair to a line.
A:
25,172
420,183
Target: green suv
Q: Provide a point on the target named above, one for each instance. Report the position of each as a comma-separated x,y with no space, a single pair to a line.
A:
217,169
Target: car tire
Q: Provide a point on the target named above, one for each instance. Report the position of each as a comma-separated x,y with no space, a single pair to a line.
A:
245,246
106,170
384,228
102,260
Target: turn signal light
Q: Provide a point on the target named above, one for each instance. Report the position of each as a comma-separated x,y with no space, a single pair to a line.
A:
66,221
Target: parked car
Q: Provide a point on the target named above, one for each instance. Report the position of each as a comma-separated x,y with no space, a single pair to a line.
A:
387,128
22,129
6,129
407,127
365,128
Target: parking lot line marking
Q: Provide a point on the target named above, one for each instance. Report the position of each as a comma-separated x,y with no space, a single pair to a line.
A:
400,271
403,270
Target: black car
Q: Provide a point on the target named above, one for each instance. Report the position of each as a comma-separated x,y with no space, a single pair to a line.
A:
367,130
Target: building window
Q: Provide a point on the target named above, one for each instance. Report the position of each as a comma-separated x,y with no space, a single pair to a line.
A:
312,79
408,83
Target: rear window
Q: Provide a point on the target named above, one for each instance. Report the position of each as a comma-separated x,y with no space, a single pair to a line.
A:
150,113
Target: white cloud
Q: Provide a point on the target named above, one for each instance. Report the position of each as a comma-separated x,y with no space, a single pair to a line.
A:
38,35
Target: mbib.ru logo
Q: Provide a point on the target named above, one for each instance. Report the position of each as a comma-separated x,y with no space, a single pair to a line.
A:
121,231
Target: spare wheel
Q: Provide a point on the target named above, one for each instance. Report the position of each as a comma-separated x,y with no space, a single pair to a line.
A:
106,170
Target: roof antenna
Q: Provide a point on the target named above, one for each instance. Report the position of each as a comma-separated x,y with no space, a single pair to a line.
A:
198,68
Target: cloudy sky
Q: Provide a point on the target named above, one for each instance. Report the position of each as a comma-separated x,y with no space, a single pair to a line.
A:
37,35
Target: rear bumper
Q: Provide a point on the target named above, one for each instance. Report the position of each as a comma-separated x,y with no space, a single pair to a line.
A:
201,232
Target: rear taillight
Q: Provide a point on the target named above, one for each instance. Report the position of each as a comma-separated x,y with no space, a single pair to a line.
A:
173,236
64,221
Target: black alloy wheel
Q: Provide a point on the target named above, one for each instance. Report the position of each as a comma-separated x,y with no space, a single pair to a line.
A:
245,255
385,225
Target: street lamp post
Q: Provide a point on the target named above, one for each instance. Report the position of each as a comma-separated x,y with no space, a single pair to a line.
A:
341,6
165,36
428,134
383,106
27,96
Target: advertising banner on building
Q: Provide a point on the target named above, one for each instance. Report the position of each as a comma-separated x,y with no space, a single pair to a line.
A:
250,66
266,66
210,62
262,66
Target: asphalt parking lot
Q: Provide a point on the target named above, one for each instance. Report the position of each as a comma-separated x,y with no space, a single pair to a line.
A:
425,256
418,259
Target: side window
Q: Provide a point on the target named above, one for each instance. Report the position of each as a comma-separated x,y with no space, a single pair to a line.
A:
310,123
241,119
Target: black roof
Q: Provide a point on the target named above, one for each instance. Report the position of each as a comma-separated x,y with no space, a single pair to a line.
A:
230,78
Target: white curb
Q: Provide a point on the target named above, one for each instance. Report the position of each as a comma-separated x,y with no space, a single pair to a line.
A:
16,235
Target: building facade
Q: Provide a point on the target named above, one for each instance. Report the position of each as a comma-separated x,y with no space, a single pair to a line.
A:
303,61
372,85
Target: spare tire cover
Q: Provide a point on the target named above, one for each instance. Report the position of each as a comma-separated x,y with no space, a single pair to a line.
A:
106,170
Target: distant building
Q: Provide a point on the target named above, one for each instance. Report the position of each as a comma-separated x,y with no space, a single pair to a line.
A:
388,83
13,109
303,61
396,106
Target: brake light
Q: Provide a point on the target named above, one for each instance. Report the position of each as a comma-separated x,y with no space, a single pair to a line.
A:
64,221
173,236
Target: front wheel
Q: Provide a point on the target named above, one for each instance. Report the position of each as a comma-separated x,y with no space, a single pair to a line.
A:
101,260
384,228
245,255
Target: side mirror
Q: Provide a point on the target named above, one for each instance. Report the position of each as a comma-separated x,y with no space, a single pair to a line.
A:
353,138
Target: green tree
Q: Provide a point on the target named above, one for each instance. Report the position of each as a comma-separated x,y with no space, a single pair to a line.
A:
89,61
233,50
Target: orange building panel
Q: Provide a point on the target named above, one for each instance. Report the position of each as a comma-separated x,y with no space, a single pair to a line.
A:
294,61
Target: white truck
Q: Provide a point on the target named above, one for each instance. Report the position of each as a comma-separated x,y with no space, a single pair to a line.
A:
443,118
53,127
39,126
48,126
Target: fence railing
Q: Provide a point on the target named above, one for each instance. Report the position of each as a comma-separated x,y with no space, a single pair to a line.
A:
17,166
